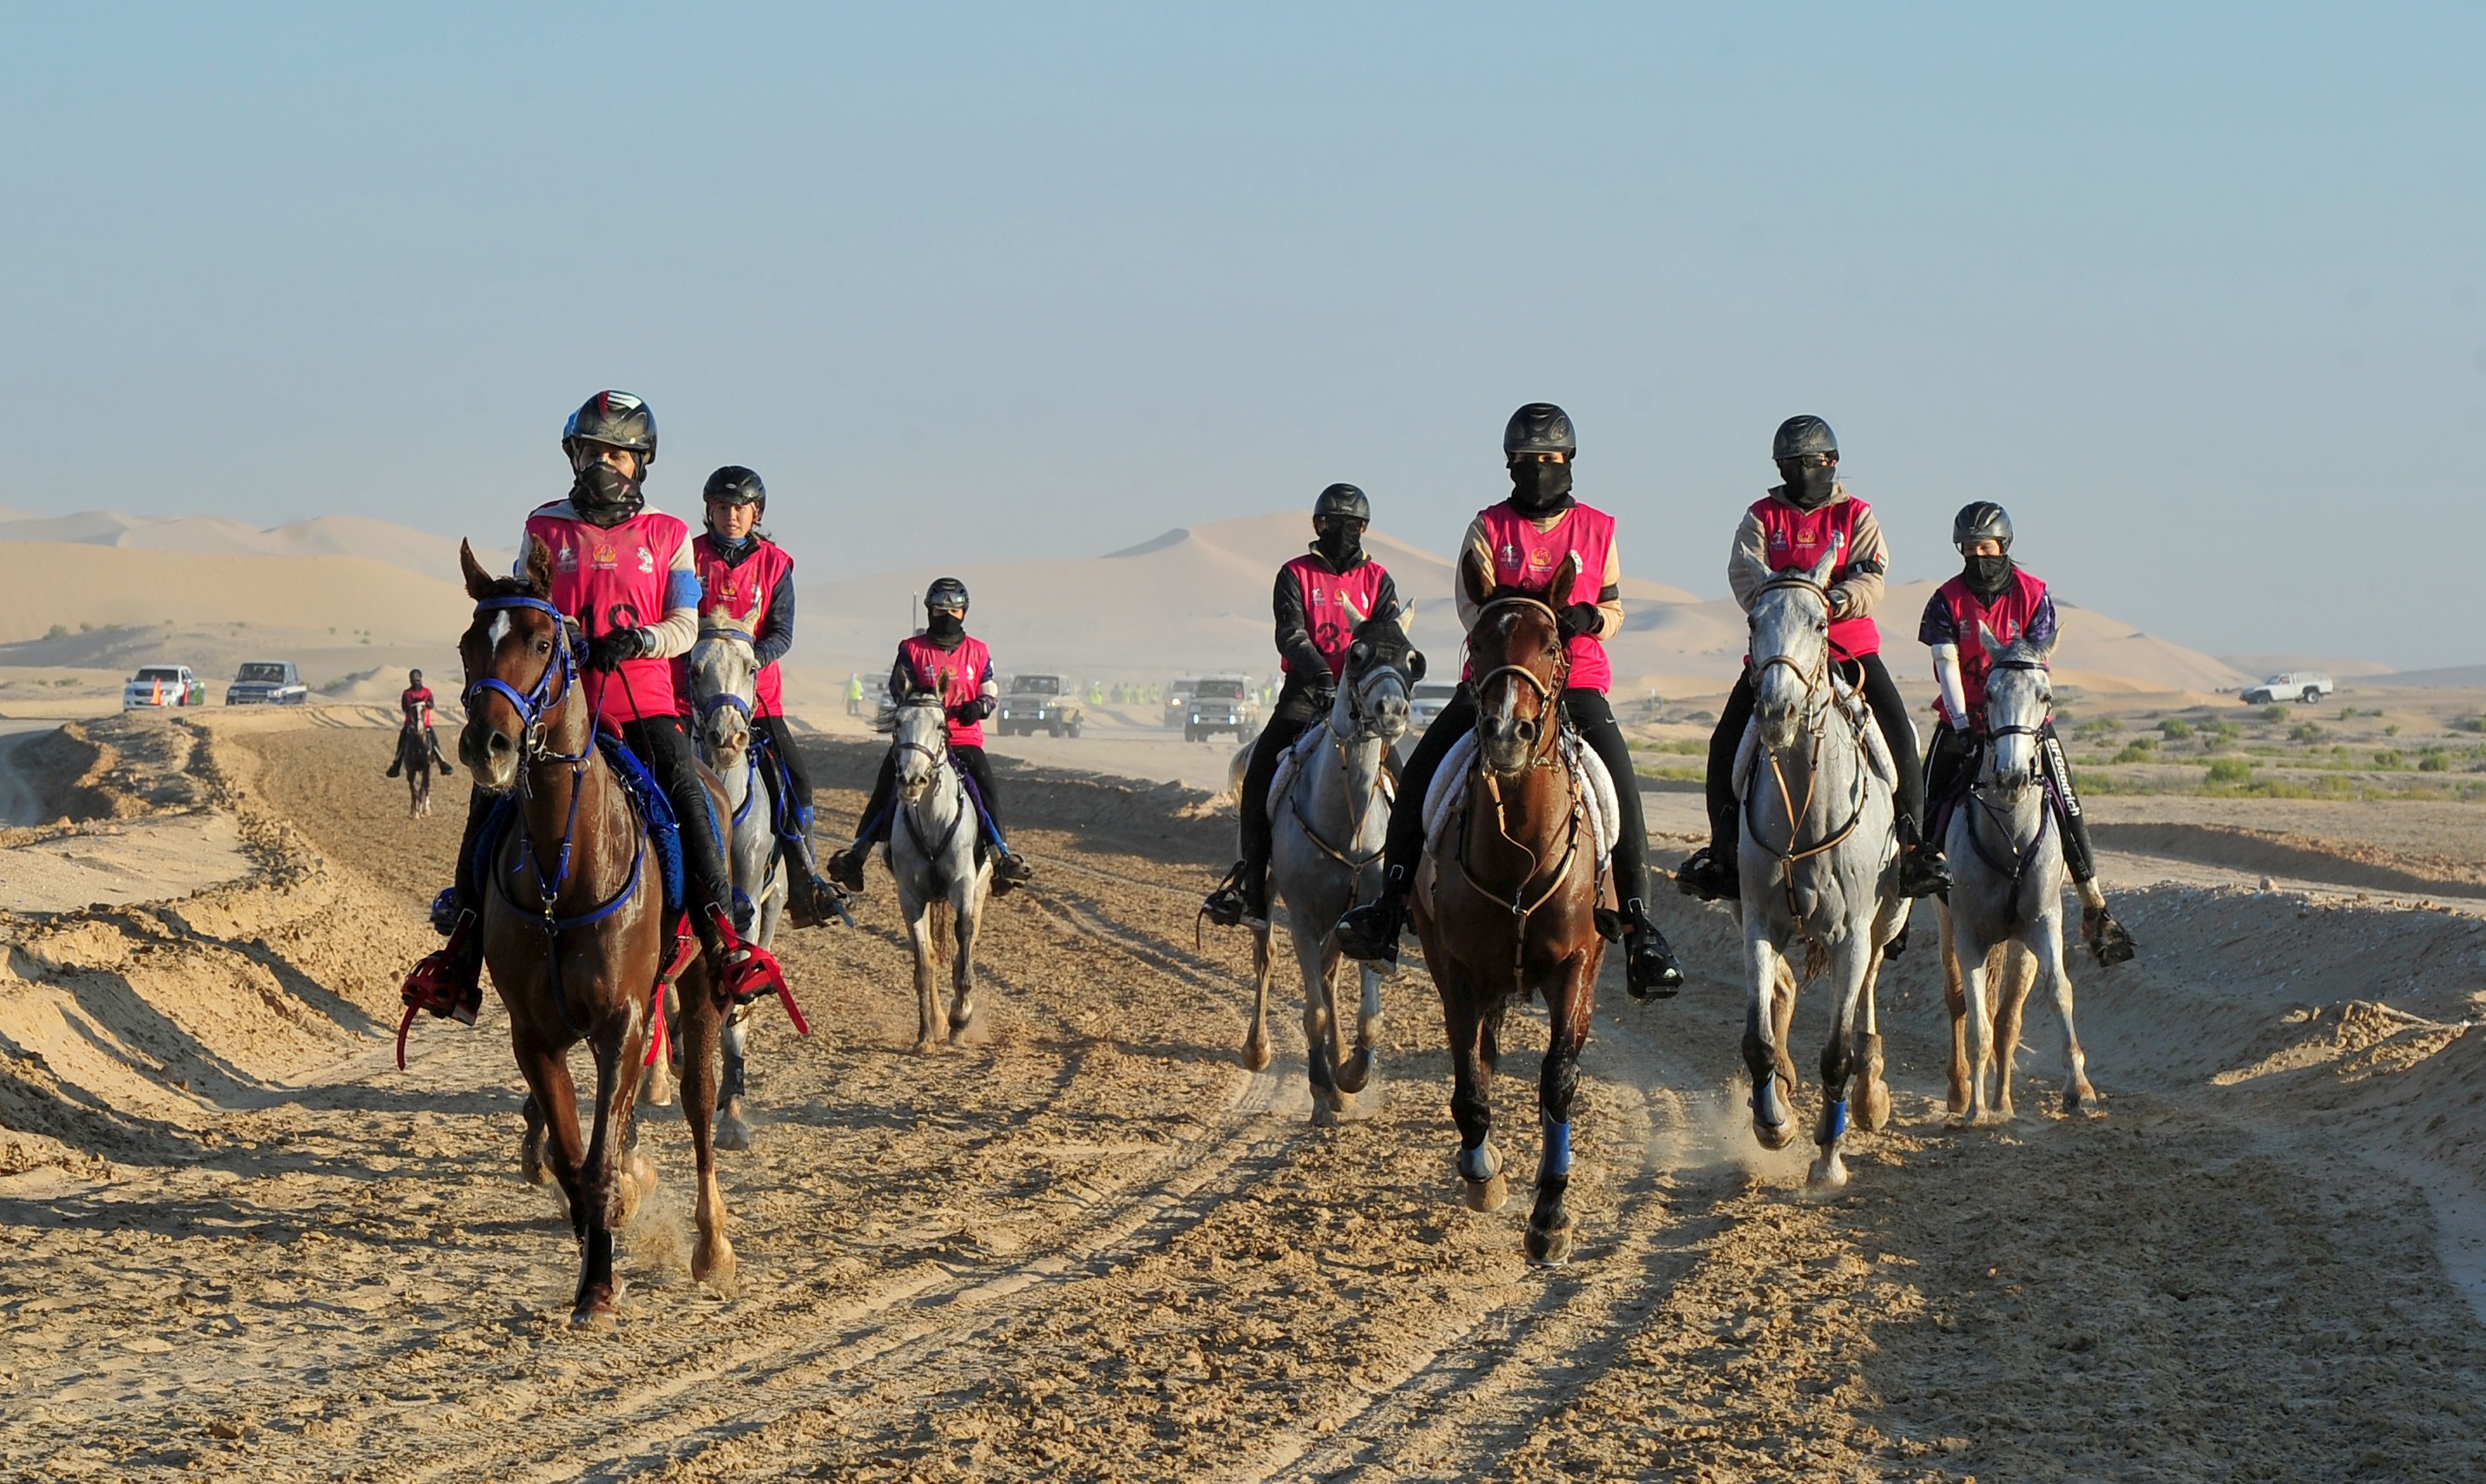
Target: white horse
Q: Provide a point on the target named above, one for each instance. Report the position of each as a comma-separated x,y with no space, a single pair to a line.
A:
1326,832
1816,785
724,677
2007,893
933,856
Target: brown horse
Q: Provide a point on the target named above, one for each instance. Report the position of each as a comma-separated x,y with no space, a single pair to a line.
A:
1506,900
414,757
573,924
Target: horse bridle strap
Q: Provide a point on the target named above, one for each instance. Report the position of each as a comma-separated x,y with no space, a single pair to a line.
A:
542,698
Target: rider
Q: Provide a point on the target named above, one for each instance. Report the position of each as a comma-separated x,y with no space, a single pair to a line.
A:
945,658
744,573
1320,597
615,563
1522,542
2010,602
415,707
1788,529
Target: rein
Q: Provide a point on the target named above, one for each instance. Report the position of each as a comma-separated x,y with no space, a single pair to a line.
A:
1546,754
2023,855
1357,810
1815,719
941,768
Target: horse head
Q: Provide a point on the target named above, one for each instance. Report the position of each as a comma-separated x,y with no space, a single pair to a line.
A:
1382,668
1790,651
725,679
521,659
1520,663
920,727
2019,702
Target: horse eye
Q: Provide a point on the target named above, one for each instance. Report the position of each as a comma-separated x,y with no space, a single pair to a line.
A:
543,647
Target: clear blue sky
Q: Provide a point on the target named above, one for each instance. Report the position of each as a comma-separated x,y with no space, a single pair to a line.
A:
2195,291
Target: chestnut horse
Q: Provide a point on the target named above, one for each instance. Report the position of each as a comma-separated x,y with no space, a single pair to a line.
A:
1506,900
574,922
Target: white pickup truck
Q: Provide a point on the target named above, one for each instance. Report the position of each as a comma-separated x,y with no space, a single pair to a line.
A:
2300,685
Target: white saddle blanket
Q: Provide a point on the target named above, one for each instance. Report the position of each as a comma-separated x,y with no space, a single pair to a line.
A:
1588,775
1292,761
1868,731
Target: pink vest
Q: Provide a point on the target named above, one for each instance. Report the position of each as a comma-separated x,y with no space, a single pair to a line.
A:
742,590
1794,540
2007,617
1525,556
959,675
597,571
1334,604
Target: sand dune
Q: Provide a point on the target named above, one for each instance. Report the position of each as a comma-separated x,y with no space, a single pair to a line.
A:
325,535
67,584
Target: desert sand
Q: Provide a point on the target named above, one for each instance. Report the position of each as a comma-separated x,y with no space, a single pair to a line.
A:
244,1244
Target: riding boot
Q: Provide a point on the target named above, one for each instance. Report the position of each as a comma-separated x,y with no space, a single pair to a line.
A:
2107,939
1921,871
1369,933
1712,873
1649,968
809,900
396,764
739,971
449,981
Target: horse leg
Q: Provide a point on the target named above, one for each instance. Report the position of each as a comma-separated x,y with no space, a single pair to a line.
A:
2079,1097
1550,1224
1764,1037
656,1089
928,1006
1265,964
1318,963
1355,1073
1872,1092
531,1145
1471,1101
1955,1001
2019,975
1851,961
702,1023
1974,969
967,1025
607,1177
731,1131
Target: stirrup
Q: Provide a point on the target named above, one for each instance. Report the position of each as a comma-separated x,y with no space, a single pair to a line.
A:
1649,968
1011,869
2107,940
1369,933
1710,876
1224,905
845,867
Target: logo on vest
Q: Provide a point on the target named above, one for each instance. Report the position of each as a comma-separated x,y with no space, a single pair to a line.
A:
606,558
567,561
647,560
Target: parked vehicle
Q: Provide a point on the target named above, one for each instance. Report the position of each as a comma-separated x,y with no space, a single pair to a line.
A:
2305,686
164,685
1427,701
1177,700
266,683
1034,703
1221,703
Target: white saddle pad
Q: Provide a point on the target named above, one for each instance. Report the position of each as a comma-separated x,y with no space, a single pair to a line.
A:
1292,761
1588,774
1869,729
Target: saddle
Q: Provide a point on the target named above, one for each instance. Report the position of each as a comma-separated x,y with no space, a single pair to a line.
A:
647,800
1298,753
1849,704
1588,775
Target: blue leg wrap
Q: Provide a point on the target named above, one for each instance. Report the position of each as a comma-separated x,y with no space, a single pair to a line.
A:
1556,1161
1837,1112
1477,1166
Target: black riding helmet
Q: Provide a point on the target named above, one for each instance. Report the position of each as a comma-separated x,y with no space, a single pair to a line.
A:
613,420
1342,500
414,678
946,592
1801,435
1981,520
734,485
1539,428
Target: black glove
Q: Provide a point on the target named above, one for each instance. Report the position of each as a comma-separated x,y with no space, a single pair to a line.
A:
967,713
1577,619
607,651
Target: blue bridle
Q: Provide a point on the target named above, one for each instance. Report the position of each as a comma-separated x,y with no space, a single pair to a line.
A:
551,688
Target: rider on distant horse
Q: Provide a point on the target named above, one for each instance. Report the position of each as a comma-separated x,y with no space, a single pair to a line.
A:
2010,603
944,658
1523,542
1790,529
1320,597
745,574
414,707
615,563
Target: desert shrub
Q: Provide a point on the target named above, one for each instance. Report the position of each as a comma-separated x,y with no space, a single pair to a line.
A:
2391,730
2223,730
2389,758
2434,759
2175,729
2468,723
2230,770
2337,786
2274,712
2306,733
57,631
2138,750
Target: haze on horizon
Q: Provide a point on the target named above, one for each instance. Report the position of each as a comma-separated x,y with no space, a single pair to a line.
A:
2195,291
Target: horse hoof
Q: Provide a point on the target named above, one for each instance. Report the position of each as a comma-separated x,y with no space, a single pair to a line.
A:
659,1097
1324,1116
2082,1103
732,1133
593,1312
531,1164
715,1267
1549,1249
1829,1173
970,1032
1873,1108
1485,1194
1255,1055
1357,1073
926,1046
1773,1135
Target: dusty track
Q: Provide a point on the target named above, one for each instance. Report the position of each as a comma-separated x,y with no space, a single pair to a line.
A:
1098,1249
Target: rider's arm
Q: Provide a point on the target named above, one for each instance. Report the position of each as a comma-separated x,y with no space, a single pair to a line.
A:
1610,593
2042,626
1386,602
898,680
1479,545
671,636
776,633
1747,561
1954,695
1294,630
1853,596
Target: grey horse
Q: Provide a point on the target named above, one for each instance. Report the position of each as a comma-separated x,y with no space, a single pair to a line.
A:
1326,835
2005,910
933,856
1816,784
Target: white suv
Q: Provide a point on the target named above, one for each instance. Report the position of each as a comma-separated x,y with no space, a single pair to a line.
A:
2300,685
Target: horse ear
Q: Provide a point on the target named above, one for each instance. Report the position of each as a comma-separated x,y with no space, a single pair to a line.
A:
1567,577
1985,636
1415,665
1820,573
1473,580
479,583
538,566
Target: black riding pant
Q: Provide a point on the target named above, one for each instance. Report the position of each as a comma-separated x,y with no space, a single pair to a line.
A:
1881,695
877,815
1299,707
1591,718
1951,759
663,744
781,741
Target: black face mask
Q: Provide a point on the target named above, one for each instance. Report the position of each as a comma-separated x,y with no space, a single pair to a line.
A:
946,628
1986,576
1340,542
1541,489
1808,486
605,495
